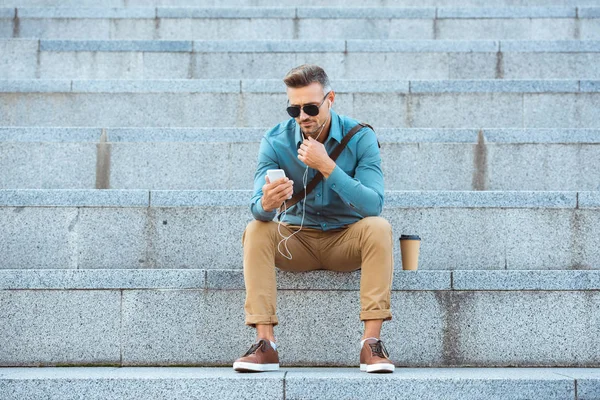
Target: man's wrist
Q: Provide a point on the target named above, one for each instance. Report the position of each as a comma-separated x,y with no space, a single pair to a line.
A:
263,206
328,169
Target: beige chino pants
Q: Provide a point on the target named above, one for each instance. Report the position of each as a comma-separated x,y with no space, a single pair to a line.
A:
366,245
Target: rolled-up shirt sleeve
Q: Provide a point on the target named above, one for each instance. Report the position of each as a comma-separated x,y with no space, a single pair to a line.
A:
267,159
365,191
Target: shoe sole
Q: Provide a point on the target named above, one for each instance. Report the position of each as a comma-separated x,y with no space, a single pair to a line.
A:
251,367
381,368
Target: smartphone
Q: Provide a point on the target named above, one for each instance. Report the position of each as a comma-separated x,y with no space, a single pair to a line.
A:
275,174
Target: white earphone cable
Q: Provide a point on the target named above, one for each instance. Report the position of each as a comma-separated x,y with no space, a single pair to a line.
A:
284,212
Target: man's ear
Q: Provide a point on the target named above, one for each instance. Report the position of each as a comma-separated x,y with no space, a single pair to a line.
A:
331,99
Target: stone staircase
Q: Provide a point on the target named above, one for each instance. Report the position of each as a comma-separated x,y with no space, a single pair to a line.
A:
129,131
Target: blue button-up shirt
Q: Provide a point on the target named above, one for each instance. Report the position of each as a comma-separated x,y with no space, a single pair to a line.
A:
354,189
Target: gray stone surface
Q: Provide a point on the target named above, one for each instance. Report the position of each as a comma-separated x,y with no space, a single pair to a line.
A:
214,242
73,198
219,135
264,65
181,103
196,159
542,167
176,327
253,136
588,381
269,46
86,12
173,327
92,65
114,45
551,66
37,237
225,29
561,110
35,86
172,166
507,12
480,199
427,166
352,66
463,383
426,384
590,86
484,335
507,29
17,59
8,13
157,86
555,29
66,28
134,109
414,46
56,327
225,12
476,110
20,279
391,66
168,65
113,238
516,230
151,319
273,3
331,280
47,165
495,86
560,46
60,135
366,13
589,12
525,280
472,66
133,383
442,230
588,199
542,135
198,198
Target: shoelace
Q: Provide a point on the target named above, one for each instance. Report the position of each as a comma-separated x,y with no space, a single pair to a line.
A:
254,348
379,349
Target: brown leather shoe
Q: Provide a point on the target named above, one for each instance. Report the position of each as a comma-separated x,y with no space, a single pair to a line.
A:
374,357
261,357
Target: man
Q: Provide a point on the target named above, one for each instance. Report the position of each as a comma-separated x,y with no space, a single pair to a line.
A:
336,227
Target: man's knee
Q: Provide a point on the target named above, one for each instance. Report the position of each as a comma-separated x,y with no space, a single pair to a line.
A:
258,230
377,227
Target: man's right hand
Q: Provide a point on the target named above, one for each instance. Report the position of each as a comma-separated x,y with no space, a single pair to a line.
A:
275,193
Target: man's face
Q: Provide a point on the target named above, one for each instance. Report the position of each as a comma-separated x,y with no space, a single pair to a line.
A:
311,94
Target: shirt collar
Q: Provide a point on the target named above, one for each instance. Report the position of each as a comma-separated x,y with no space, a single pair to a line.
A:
334,131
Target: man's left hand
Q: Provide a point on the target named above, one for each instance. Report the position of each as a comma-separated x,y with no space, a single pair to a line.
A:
313,154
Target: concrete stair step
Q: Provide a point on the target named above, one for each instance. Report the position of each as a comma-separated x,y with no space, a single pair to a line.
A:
160,318
131,383
187,229
343,22
290,3
225,158
270,59
247,103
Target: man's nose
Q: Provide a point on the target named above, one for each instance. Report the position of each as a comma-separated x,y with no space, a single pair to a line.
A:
303,116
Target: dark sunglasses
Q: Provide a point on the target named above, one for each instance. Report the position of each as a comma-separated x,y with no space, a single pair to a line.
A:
309,109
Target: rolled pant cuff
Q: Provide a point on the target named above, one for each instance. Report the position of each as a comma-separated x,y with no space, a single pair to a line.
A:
252,320
385,315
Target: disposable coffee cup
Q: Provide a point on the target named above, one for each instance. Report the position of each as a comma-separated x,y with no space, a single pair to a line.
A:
409,248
